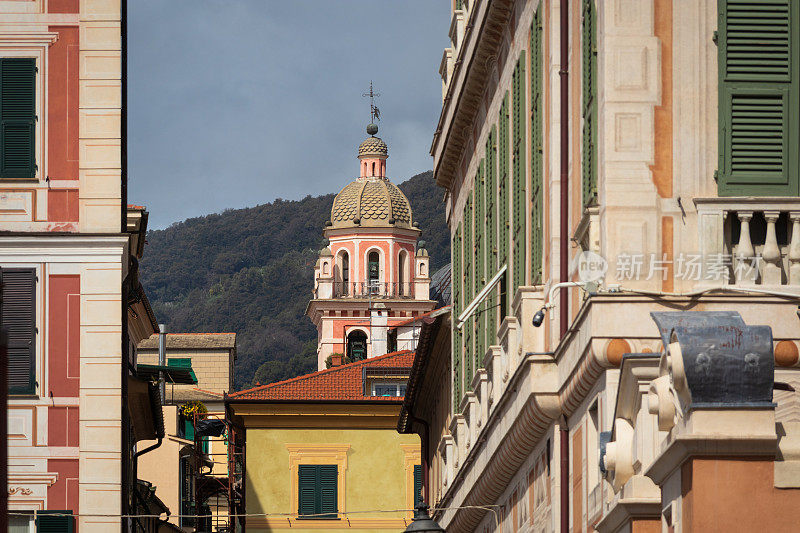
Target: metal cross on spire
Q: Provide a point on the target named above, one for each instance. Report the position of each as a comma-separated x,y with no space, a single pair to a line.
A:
374,112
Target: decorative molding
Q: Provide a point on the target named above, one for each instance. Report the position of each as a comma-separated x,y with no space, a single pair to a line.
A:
412,456
317,454
11,39
19,490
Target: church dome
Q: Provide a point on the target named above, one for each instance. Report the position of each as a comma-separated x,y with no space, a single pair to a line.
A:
373,147
371,202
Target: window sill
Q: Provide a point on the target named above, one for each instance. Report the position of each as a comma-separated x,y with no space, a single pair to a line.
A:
317,518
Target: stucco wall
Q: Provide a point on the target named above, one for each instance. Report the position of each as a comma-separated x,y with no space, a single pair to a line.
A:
374,478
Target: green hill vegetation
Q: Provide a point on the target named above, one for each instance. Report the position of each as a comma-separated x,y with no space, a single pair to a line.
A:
250,271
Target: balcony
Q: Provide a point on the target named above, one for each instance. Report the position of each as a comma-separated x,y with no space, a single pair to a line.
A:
372,289
759,238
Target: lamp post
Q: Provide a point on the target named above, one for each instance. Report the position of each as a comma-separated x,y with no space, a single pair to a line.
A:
422,521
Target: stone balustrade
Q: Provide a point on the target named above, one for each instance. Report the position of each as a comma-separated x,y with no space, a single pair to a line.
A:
760,236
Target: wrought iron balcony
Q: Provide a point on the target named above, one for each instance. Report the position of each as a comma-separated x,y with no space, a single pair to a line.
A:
372,289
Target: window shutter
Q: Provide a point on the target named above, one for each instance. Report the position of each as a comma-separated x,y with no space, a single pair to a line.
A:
46,522
537,151
491,232
589,82
457,306
469,252
328,490
480,262
307,490
17,117
19,319
519,177
417,484
503,199
758,98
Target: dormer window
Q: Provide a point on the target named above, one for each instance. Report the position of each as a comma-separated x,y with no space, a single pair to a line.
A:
389,389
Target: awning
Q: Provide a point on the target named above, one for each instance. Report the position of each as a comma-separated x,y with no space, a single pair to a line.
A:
176,371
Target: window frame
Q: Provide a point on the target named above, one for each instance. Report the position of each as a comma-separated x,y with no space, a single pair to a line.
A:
35,47
317,454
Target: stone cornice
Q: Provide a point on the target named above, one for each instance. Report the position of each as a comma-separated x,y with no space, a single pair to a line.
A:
482,40
685,446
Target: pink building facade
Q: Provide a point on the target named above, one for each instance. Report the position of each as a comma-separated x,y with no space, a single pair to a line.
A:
373,274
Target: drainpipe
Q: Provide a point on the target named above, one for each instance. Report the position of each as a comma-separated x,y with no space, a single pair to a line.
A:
564,152
162,361
564,243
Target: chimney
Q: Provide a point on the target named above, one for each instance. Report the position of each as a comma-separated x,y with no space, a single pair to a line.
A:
336,359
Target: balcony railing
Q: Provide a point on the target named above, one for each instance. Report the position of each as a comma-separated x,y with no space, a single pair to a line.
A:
760,236
372,289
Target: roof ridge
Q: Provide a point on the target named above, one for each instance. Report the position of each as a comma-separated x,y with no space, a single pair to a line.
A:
320,372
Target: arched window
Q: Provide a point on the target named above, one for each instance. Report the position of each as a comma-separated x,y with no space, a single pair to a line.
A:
343,268
374,271
373,168
357,345
402,286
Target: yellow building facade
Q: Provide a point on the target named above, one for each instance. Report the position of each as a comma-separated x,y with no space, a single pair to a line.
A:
329,424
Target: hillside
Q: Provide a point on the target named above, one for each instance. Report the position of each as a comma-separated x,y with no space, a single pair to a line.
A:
250,271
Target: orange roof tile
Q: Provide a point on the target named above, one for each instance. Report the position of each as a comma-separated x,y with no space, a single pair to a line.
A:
343,383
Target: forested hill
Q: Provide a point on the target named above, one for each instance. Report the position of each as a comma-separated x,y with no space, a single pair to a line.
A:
250,271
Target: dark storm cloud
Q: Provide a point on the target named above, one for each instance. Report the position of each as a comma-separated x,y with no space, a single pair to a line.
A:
236,103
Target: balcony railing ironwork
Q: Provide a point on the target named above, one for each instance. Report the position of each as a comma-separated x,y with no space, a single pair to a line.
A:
372,289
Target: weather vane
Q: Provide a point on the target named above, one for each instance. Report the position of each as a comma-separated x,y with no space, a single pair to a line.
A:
374,112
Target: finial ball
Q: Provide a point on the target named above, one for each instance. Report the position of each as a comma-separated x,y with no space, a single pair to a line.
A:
372,129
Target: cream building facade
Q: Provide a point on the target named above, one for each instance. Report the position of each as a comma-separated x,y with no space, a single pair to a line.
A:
599,166
69,250
173,467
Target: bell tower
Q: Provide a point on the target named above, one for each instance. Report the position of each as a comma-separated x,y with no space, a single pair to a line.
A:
373,274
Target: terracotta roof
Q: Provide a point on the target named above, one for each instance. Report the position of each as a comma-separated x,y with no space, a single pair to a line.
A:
191,341
134,206
338,383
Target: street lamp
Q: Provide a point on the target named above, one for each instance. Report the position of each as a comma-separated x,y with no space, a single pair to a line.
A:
422,521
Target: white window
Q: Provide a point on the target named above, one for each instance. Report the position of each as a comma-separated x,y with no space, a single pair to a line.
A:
388,389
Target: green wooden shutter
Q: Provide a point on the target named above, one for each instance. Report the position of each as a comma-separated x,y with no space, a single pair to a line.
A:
491,233
469,294
417,484
457,294
519,177
17,118
307,490
503,199
537,150
480,263
19,319
589,83
46,522
328,481
758,98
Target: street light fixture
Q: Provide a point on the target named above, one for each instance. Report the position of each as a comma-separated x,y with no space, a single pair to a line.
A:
422,522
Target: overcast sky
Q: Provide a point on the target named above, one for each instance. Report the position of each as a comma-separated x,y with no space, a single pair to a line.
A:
234,103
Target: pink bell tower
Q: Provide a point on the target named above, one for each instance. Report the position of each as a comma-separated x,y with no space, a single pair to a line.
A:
372,275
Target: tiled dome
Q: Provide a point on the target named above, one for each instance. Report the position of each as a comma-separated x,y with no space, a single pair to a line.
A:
373,147
371,202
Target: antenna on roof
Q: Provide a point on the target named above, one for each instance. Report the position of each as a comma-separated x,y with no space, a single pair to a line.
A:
374,112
